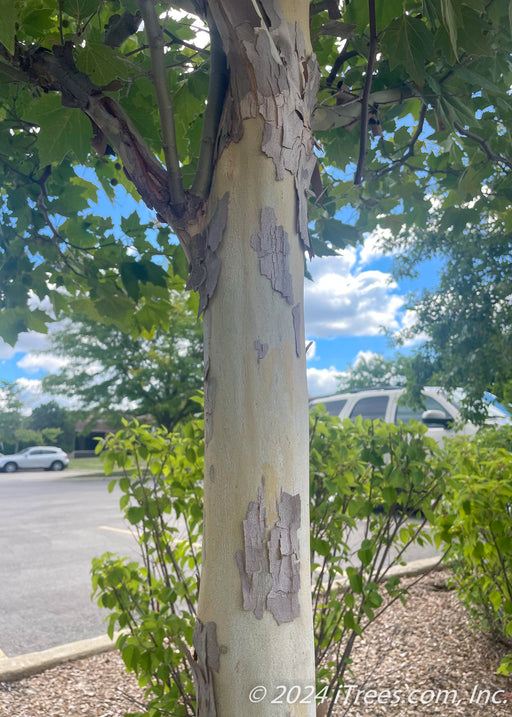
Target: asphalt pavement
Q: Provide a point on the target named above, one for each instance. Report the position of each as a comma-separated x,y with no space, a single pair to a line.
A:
51,526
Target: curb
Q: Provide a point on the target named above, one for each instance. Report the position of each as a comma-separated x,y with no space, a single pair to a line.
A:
416,567
16,668
409,570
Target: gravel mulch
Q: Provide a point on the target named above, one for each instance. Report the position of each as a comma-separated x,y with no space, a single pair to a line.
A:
421,659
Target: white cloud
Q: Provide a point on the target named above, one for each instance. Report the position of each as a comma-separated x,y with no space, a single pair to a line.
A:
32,395
30,385
361,356
322,381
34,362
343,300
34,347
27,341
34,302
365,356
373,245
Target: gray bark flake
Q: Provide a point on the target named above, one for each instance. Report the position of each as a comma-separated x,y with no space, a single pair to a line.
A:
297,329
204,264
273,249
261,348
206,659
252,561
210,389
269,564
283,599
271,75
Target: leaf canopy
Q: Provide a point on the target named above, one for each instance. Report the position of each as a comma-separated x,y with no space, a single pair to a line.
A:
431,119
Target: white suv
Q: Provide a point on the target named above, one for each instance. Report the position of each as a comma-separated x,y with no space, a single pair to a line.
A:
441,414
48,457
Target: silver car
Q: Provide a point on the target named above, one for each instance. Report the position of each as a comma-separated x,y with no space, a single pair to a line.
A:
47,457
441,413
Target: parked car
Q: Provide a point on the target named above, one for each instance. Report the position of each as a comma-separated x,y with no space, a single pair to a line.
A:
47,457
441,413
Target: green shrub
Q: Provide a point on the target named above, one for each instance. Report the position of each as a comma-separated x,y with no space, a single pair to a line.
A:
154,601
366,477
373,488
475,521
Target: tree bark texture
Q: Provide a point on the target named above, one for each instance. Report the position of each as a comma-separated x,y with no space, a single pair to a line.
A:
255,583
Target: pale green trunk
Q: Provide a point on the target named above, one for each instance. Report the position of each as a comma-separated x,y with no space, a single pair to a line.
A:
257,436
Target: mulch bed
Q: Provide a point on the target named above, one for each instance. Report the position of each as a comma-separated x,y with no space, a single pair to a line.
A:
421,659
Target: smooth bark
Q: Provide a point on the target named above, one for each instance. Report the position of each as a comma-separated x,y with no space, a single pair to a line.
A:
257,433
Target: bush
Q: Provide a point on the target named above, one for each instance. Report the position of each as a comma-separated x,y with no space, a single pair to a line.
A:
475,521
154,601
373,488
366,477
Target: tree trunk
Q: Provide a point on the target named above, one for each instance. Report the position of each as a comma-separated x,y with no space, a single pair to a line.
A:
255,619
257,443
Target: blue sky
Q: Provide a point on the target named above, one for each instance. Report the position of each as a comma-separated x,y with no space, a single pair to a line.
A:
351,302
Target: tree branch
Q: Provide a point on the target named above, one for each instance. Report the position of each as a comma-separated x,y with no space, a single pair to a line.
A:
7,68
402,161
340,60
56,71
330,5
498,158
417,133
61,34
165,104
177,41
366,93
219,77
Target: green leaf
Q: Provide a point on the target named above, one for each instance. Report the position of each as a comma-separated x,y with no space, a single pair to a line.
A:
81,9
102,63
9,15
409,43
356,582
496,599
349,620
476,79
38,23
451,21
135,514
62,130
337,233
108,466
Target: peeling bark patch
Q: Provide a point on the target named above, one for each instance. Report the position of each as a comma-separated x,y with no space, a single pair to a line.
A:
286,102
269,564
275,78
252,561
273,249
297,328
204,264
261,348
209,401
207,658
283,599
